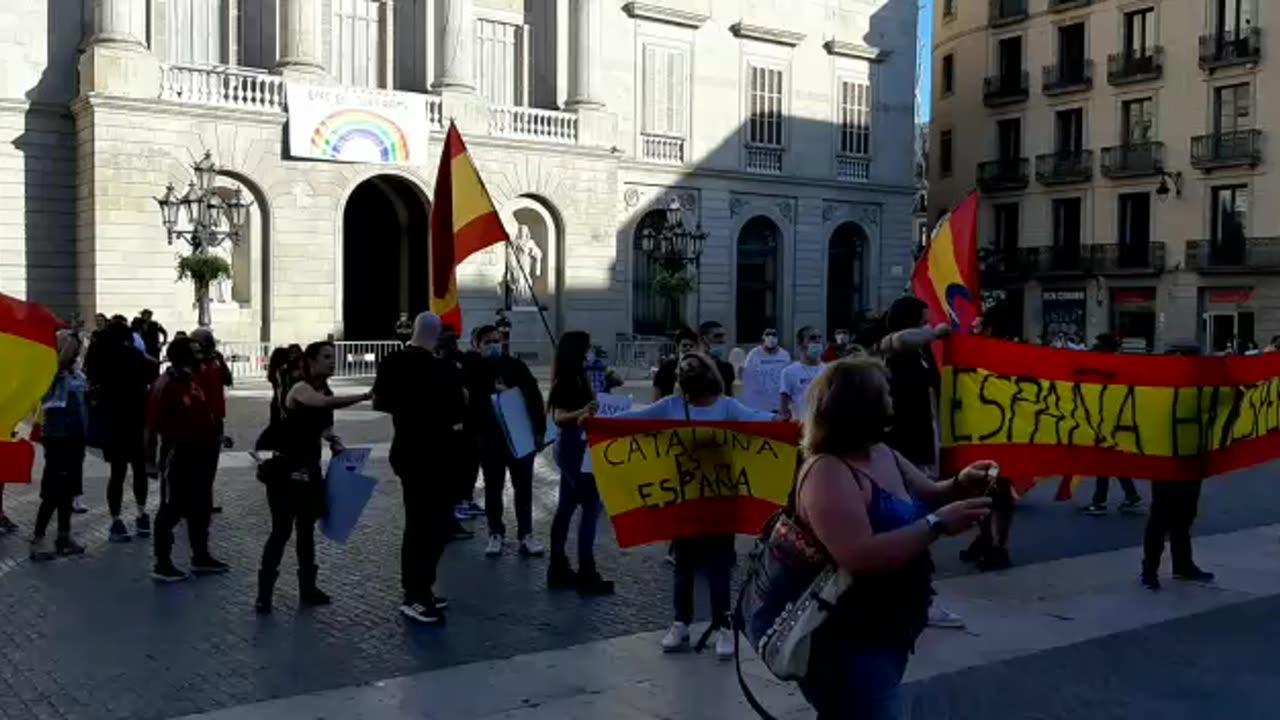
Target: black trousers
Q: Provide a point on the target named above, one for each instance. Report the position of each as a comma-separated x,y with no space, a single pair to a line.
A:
495,462
1173,509
186,492
125,457
714,556
430,482
1103,483
60,484
293,503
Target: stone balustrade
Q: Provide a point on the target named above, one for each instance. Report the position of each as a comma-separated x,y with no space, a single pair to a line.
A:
222,86
533,124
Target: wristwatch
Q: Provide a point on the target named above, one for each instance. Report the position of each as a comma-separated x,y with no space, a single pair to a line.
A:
936,529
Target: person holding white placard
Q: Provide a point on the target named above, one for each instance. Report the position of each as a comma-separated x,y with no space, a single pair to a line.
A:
762,373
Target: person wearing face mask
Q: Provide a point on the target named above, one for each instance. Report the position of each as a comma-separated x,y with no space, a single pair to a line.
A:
664,380
701,398
762,373
715,342
488,372
798,375
841,346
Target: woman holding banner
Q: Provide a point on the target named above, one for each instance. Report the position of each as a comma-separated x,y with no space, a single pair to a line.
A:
572,402
869,507
701,398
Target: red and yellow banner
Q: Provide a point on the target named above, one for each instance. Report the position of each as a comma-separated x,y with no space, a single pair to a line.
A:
664,480
1039,411
463,222
28,362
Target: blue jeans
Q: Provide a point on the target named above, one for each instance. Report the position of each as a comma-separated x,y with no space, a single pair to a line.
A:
851,683
577,490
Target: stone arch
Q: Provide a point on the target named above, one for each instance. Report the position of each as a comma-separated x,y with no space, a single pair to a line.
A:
846,275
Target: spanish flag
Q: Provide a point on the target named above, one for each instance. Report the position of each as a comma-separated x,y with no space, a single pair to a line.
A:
946,276
463,222
28,362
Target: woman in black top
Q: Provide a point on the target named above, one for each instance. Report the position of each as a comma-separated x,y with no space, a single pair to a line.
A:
295,491
572,402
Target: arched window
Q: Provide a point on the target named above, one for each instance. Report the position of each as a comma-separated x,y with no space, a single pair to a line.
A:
757,290
846,269
648,312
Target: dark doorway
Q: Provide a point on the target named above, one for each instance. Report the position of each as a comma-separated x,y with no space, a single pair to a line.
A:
757,290
386,257
845,273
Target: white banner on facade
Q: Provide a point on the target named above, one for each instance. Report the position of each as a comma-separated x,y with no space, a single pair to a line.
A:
357,125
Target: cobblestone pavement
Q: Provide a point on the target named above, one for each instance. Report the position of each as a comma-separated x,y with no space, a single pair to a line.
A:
93,638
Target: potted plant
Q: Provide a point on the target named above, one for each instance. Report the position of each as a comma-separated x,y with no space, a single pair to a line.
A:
203,270
674,286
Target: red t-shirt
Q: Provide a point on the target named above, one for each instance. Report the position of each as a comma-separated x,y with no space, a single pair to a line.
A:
180,412
212,378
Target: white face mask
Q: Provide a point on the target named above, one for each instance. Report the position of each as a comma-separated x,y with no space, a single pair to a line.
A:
770,341
716,350
842,339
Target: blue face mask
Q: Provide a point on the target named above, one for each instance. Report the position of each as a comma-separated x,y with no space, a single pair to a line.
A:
814,350
491,352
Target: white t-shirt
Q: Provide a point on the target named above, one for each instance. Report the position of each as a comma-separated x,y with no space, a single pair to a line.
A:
795,384
762,377
724,409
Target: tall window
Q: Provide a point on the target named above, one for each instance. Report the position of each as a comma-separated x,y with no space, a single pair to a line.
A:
1233,16
944,153
194,32
357,42
1139,32
1009,138
1135,220
411,44
499,52
1071,52
1230,215
1066,223
757,289
1231,108
1007,227
258,28
1009,58
665,92
855,118
948,8
1137,120
765,104
948,74
1069,126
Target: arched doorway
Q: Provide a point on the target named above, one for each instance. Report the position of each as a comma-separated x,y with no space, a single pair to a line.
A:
846,292
385,257
756,299
650,312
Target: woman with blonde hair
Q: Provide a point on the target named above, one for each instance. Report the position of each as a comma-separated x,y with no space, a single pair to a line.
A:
871,509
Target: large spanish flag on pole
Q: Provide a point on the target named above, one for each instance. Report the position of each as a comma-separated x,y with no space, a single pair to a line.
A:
946,276
28,362
463,222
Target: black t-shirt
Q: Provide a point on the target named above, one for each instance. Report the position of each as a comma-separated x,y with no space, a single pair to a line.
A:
912,384
571,395
665,379
424,396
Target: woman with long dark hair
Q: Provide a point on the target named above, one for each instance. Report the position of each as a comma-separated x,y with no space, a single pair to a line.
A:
295,489
572,402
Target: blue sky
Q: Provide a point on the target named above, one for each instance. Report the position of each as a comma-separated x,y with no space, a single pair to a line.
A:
925,33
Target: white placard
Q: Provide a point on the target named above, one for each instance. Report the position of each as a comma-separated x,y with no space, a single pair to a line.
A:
357,125
610,406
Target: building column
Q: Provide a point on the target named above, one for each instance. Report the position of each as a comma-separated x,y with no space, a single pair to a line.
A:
456,68
300,46
586,19
117,60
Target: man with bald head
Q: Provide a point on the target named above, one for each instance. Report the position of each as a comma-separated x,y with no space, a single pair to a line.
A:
424,396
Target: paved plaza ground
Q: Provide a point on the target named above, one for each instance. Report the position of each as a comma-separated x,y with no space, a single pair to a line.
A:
1065,634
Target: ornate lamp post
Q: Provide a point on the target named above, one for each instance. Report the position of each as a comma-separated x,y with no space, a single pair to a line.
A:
677,250
203,219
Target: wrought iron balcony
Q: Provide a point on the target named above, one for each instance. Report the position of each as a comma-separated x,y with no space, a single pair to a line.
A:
1145,159
1127,258
1006,89
1003,175
1062,168
1135,66
1240,255
1058,5
1062,78
1230,47
1239,148
1007,12
999,266
1072,259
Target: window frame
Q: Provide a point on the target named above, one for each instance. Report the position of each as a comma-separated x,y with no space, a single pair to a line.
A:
686,96
946,148
849,131
766,65
947,72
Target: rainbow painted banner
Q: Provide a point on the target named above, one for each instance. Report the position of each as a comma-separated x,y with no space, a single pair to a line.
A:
358,125
666,480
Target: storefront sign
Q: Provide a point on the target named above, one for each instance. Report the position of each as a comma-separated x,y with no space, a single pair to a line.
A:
1231,296
1133,296
357,125
1064,314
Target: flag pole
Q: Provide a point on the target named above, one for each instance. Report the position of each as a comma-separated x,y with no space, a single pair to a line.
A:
512,253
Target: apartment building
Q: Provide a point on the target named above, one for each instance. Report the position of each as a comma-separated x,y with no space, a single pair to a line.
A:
1117,145
782,129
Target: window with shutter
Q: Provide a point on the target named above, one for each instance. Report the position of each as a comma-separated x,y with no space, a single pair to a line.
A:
356,47
498,61
258,33
764,103
855,118
664,86
194,32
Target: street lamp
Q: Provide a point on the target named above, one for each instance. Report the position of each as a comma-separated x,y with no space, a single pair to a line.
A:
675,249
1162,190
211,220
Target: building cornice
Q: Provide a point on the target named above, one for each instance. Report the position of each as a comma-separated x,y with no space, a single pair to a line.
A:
158,106
858,51
660,174
664,14
747,31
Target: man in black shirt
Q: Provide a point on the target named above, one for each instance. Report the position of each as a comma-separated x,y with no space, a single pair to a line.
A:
709,339
154,336
424,396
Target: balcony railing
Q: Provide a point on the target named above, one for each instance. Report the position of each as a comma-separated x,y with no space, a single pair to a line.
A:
223,86
662,148
1064,167
1006,89
533,124
1238,148
1063,78
1230,47
1242,255
764,159
1003,175
1140,258
1056,5
1135,66
435,112
1007,12
1143,159
853,168
1001,265
1056,260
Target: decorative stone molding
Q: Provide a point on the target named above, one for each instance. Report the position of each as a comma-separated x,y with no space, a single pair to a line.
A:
777,36
786,210
631,197
858,51
664,14
868,216
736,205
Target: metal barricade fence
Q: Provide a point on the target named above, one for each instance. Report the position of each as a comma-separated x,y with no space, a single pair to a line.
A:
360,359
247,360
637,359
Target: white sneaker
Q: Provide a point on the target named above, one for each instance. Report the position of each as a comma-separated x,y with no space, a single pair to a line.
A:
494,548
677,638
941,617
724,644
78,507
529,547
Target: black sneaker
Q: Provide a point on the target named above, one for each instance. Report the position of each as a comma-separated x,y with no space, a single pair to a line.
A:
458,532
560,576
1095,509
1131,506
119,533
66,547
142,528
168,573
976,550
440,602
1193,574
216,510
7,526
995,560
423,614
590,583
1150,581
209,565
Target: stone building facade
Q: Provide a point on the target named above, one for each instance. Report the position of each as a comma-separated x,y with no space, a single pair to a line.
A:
783,129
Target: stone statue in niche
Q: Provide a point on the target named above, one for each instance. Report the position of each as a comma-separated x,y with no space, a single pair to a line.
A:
220,290
524,267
